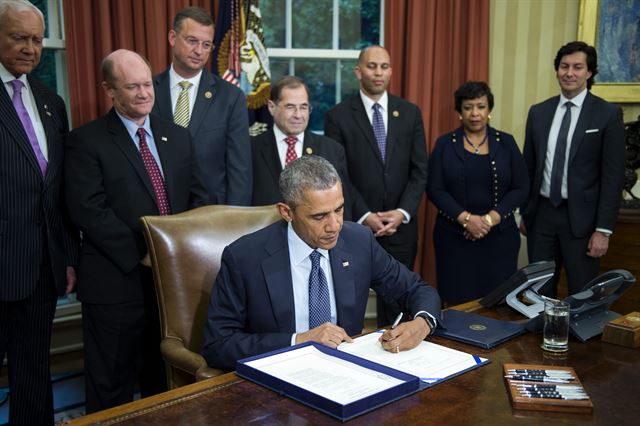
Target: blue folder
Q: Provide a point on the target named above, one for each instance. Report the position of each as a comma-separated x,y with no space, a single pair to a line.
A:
476,330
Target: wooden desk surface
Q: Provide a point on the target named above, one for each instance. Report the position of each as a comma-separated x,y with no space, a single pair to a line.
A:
610,374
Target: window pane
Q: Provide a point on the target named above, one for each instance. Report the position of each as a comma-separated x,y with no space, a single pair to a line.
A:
359,23
279,67
46,71
348,79
43,6
320,76
273,22
312,24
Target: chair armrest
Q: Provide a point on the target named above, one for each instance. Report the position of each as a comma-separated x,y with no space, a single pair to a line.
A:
207,372
175,354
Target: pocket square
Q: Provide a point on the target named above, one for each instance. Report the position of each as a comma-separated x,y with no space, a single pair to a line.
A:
592,130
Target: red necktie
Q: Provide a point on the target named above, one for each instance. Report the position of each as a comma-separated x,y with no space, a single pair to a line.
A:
291,150
154,174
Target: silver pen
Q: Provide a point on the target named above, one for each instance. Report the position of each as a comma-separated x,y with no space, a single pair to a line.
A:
397,321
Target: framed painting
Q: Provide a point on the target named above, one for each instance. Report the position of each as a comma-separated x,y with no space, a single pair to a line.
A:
612,27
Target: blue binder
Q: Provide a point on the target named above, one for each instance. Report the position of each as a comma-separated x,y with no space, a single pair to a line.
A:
477,330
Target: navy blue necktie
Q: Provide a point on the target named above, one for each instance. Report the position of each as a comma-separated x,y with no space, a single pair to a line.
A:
557,170
319,303
378,130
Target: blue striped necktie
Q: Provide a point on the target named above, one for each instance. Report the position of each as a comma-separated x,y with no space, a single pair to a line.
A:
319,303
378,130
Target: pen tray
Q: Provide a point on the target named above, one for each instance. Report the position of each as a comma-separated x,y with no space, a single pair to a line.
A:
544,404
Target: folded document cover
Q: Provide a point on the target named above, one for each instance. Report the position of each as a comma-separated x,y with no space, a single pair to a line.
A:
477,330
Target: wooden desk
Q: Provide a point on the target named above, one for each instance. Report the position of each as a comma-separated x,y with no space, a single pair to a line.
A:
610,374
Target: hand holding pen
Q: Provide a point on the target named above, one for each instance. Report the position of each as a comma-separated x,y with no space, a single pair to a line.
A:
404,336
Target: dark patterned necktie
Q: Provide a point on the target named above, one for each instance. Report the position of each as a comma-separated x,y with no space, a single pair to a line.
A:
319,303
154,174
27,124
378,130
291,150
557,170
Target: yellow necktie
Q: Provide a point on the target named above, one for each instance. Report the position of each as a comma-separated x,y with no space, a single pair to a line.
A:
181,114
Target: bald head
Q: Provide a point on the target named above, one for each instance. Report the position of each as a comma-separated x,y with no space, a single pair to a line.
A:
374,71
127,81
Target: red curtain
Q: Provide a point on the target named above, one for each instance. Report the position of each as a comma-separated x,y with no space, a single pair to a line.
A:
94,28
435,46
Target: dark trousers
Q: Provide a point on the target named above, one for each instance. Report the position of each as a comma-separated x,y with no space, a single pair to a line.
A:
405,254
25,337
550,238
122,348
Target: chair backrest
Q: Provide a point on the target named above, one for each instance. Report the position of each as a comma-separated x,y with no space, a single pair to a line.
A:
185,251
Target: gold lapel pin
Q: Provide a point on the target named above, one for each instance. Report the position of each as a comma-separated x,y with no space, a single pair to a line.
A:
396,114
309,151
208,94
164,138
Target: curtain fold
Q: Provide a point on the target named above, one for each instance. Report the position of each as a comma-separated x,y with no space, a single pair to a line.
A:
94,28
435,46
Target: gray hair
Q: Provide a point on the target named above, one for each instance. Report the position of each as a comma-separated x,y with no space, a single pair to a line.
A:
19,6
307,172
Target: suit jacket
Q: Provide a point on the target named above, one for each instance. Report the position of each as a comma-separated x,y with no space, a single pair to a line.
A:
33,216
108,190
447,187
251,310
267,166
595,173
399,181
219,128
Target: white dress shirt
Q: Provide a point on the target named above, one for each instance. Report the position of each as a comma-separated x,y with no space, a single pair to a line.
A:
175,88
300,263
282,145
30,105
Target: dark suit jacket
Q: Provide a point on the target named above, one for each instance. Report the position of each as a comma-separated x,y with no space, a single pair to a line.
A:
447,187
219,128
108,190
32,211
267,166
399,182
595,171
251,310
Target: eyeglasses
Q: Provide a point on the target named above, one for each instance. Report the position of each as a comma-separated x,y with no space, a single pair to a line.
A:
303,108
194,42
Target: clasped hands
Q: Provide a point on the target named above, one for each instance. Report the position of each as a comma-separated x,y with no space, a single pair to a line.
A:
476,226
405,336
384,223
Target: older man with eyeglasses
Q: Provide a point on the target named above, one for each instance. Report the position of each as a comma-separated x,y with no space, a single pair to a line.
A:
214,111
289,139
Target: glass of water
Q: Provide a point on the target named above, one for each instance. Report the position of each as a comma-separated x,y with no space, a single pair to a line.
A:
556,326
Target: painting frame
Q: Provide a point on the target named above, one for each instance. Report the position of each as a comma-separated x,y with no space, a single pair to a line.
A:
587,30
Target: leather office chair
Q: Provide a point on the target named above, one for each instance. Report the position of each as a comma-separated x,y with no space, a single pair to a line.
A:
185,251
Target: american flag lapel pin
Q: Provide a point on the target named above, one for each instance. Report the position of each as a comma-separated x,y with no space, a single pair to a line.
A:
345,263
164,138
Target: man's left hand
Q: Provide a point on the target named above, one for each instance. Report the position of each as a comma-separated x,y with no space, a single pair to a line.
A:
405,336
391,219
598,245
71,279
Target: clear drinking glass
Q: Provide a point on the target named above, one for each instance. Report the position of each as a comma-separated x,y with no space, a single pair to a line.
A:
556,326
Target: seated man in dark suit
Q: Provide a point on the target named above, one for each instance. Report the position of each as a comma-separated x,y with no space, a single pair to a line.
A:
307,278
289,139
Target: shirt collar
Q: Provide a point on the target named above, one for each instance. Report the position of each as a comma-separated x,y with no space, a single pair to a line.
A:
577,100
132,127
7,77
280,136
175,79
368,102
298,249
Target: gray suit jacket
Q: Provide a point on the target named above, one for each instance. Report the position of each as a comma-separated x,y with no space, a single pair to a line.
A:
595,171
219,128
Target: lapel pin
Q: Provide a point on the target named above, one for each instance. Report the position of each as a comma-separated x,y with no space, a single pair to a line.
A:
309,151
208,94
164,138
396,114
48,113
345,263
